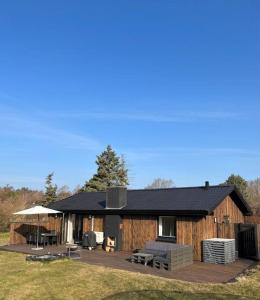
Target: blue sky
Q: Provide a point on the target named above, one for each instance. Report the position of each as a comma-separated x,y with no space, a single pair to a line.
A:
172,85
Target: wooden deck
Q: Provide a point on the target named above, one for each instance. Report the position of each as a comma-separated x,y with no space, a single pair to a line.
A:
198,272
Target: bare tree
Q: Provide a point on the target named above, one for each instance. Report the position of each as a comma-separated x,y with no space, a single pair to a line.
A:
253,191
77,189
12,200
63,192
160,183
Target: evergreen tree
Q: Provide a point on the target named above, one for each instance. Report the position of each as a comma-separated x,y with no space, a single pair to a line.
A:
111,171
239,182
50,194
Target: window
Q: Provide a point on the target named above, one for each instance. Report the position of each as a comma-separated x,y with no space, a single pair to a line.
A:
167,226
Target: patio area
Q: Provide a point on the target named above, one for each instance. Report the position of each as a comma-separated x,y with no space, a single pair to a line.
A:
198,272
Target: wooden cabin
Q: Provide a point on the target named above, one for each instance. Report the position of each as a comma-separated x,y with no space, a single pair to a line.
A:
175,215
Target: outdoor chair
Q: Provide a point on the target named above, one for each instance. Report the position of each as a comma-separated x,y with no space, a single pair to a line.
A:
54,237
42,240
30,238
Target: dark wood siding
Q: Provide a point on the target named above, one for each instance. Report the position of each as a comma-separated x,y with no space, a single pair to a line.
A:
203,228
86,224
226,230
193,230
228,208
20,229
136,230
98,223
184,227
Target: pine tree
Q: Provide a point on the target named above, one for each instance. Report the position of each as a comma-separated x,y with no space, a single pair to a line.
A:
111,171
50,194
240,183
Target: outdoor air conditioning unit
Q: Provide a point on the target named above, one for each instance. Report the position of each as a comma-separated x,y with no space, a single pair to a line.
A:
219,251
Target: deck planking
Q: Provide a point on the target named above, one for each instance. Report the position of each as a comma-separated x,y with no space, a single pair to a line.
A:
198,272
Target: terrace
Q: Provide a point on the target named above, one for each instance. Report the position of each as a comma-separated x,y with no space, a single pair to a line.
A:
198,272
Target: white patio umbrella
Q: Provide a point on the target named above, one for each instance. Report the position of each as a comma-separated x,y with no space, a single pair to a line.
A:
37,210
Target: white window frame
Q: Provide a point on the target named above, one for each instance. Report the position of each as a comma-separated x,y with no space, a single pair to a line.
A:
161,229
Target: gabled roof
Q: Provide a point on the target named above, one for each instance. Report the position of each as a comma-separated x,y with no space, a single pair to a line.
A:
182,201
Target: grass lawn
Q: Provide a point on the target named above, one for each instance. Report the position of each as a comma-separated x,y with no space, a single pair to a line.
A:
4,238
75,280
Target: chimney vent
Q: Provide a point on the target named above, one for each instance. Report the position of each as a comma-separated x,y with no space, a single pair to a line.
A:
206,184
116,197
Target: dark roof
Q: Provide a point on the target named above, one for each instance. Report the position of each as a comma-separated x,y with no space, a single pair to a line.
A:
183,201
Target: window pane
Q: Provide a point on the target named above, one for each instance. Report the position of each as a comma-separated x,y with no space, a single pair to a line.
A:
168,226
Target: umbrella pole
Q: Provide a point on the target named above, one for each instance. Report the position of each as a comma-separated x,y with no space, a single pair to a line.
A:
37,237
38,230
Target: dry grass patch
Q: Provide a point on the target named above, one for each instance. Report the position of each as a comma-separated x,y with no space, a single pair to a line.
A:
74,280
4,238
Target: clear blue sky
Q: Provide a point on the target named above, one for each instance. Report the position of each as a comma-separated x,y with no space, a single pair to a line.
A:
172,85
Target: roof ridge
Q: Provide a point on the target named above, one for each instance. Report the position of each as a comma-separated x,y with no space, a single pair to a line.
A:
91,192
183,187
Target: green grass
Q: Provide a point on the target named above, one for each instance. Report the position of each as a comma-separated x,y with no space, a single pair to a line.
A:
4,238
75,280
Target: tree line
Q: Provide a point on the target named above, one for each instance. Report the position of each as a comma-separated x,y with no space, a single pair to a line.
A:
111,171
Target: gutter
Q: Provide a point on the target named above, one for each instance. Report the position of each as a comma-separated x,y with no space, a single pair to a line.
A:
140,212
